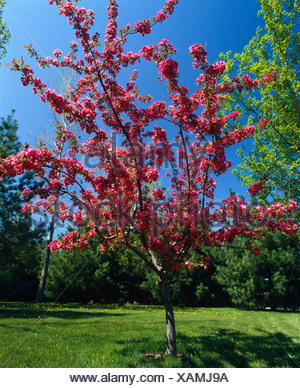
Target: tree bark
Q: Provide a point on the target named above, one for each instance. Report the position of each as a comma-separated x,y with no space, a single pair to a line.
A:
170,321
41,288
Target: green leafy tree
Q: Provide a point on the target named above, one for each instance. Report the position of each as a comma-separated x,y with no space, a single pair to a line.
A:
4,32
272,57
269,279
19,242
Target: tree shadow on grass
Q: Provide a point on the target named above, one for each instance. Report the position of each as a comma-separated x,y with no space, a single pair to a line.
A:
228,348
224,349
29,310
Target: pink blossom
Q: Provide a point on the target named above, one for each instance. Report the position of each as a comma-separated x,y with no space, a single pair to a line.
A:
216,69
143,27
206,261
78,218
175,267
255,188
91,233
168,68
269,77
256,252
26,207
199,55
103,248
53,245
57,52
292,206
152,174
189,264
263,122
250,84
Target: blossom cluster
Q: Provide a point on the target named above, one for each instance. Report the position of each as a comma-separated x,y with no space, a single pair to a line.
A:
255,188
269,77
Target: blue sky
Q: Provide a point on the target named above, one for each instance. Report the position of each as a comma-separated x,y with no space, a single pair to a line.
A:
221,25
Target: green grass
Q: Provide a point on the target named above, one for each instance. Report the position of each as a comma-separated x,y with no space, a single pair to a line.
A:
81,336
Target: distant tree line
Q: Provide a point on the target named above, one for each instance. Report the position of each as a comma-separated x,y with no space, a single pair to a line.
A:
233,277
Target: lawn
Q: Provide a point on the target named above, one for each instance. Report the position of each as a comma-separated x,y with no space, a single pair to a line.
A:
87,336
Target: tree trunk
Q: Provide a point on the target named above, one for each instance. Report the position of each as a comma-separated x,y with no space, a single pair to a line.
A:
41,288
170,321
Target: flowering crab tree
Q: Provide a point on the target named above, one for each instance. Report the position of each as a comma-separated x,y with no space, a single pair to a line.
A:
120,202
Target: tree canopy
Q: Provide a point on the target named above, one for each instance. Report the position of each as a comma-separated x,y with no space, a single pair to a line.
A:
272,57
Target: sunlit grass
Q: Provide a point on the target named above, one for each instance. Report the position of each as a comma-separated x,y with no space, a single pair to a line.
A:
87,336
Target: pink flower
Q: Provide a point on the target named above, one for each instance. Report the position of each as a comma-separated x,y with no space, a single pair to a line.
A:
57,53
78,218
249,83
256,252
73,44
255,188
142,27
53,246
169,68
189,264
175,267
103,248
269,77
263,123
206,261
91,233
152,175
26,193
233,115
292,206
199,55
216,69
158,194
26,207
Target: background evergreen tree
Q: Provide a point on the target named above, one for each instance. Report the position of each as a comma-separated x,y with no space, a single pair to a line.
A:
271,279
191,287
103,277
118,276
19,242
